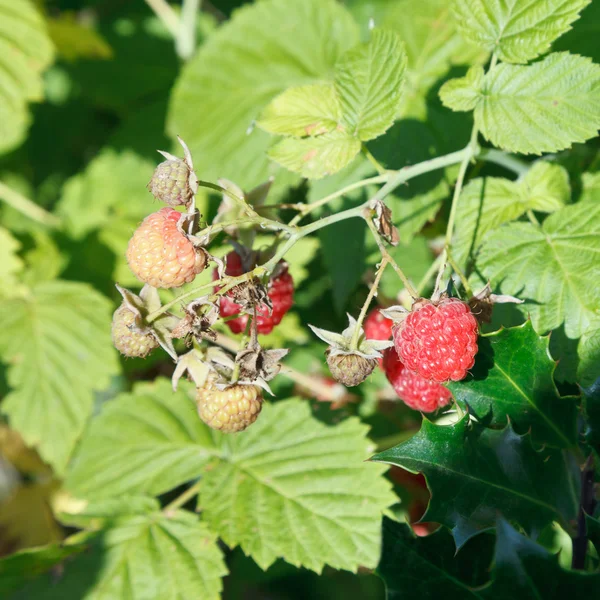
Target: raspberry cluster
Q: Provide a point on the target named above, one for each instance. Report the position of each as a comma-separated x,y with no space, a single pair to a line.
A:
435,343
280,292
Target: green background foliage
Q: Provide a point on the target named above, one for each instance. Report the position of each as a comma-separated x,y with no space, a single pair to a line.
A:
112,487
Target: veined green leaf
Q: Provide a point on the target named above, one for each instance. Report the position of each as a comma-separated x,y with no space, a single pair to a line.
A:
524,569
517,30
415,568
463,93
368,80
486,471
304,110
139,557
264,49
303,486
316,157
487,203
10,263
588,351
146,442
551,267
25,51
57,342
512,380
543,107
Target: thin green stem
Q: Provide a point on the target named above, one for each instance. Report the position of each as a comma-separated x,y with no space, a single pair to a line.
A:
430,273
459,272
307,208
27,207
166,14
499,157
365,307
185,42
183,498
532,218
378,166
386,256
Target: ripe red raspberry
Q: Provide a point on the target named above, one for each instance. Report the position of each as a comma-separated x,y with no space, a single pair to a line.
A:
160,255
377,327
281,293
229,410
438,341
416,392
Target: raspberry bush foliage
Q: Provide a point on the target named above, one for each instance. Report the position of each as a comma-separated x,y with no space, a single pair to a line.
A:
354,348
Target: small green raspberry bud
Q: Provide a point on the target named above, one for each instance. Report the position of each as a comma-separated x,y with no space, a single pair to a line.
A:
126,339
229,410
170,183
348,368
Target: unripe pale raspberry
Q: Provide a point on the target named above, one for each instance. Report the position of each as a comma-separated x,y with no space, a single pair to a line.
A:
125,339
350,369
160,255
438,340
170,183
280,292
229,410
415,391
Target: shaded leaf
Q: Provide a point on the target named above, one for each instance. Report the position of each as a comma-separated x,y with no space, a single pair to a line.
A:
550,267
303,485
485,471
146,442
56,340
512,380
416,568
517,30
588,351
462,93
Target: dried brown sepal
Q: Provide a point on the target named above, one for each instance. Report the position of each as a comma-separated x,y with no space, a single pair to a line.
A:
482,303
251,294
255,363
384,223
199,316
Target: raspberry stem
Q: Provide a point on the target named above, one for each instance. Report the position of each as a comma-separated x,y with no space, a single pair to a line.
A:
363,312
27,207
183,498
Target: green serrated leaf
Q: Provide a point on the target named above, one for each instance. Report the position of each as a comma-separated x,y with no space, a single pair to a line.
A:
523,569
512,380
417,568
368,80
257,59
463,93
583,37
303,486
550,267
485,471
432,42
304,110
10,263
25,51
141,557
543,107
19,568
57,343
517,30
588,351
487,203
316,157
146,442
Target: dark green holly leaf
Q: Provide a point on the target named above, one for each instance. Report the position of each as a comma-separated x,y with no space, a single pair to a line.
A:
526,570
16,569
512,379
474,472
417,568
